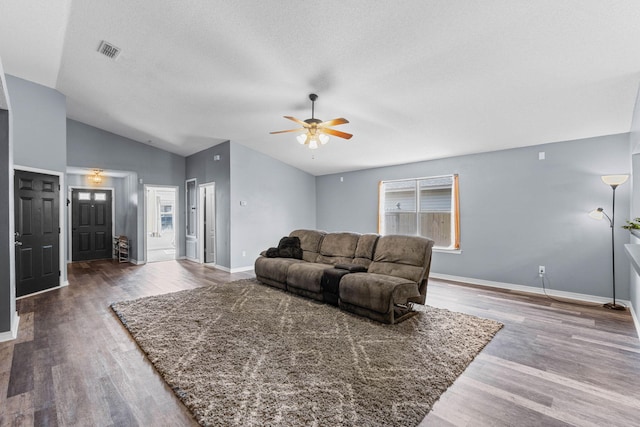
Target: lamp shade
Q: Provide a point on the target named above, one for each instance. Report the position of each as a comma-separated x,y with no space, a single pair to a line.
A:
614,180
302,138
596,213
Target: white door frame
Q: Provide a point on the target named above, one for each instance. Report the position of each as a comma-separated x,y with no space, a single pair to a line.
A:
63,205
201,239
190,239
176,214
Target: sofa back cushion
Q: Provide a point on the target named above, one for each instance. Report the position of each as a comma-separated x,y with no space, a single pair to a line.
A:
365,249
402,256
338,248
309,242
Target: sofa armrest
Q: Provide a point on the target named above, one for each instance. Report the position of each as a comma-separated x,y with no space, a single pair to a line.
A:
352,268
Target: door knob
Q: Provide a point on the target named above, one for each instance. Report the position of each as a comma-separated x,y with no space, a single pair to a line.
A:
18,243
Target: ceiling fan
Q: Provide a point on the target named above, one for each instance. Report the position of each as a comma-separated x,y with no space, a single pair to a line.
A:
315,130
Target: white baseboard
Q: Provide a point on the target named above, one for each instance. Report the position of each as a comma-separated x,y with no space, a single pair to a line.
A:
540,291
13,333
42,292
529,289
231,270
635,319
241,269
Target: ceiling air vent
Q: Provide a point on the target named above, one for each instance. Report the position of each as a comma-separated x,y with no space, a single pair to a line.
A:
109,50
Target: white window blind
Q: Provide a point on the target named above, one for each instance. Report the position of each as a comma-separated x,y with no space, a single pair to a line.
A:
421,206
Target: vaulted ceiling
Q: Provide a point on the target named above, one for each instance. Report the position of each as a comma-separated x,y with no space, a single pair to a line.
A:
417,79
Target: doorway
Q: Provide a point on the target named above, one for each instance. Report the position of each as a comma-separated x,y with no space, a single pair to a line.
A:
37,231
160,223
91,224
207,220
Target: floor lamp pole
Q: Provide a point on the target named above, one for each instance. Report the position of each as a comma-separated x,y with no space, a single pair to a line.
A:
613,305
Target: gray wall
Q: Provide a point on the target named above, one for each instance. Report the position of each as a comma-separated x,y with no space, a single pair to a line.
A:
280,198
39,131
90,147
5,227
39,125
516,212
204,169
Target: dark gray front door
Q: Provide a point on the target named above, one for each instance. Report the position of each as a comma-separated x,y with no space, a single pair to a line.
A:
37,217
91,224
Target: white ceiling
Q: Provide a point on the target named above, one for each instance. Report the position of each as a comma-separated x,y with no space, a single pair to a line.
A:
417,79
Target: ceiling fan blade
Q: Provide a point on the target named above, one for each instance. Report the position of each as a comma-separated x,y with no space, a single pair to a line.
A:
290,130
334,122
298,121
335,133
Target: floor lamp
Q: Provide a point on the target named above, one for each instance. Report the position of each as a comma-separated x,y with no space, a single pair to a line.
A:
614,181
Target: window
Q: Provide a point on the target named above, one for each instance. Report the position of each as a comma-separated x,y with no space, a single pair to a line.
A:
421,206
100,197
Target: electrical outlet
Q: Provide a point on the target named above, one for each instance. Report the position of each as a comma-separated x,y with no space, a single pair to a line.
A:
541,270
244,253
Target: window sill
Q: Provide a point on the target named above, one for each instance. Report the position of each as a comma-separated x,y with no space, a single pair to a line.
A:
448,251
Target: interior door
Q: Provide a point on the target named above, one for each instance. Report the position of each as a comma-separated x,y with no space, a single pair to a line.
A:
209,224
91,224
192,241
37,224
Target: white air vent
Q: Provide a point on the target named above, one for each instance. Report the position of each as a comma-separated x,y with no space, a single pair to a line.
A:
109,50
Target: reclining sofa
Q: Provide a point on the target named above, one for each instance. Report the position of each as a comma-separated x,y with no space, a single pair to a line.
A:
378,275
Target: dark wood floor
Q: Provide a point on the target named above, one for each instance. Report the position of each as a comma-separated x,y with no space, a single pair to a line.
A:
553,364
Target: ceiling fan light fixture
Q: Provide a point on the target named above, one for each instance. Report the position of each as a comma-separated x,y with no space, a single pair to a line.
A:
315,130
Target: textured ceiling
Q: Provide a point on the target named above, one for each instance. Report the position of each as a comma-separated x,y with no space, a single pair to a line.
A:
417,79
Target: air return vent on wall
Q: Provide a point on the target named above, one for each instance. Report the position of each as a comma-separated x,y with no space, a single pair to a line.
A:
109,50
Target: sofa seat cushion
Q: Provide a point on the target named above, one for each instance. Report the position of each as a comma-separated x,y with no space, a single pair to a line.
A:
307,276
377,292
274,268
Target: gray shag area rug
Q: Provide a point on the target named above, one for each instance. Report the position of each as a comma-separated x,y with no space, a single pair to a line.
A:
245,354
